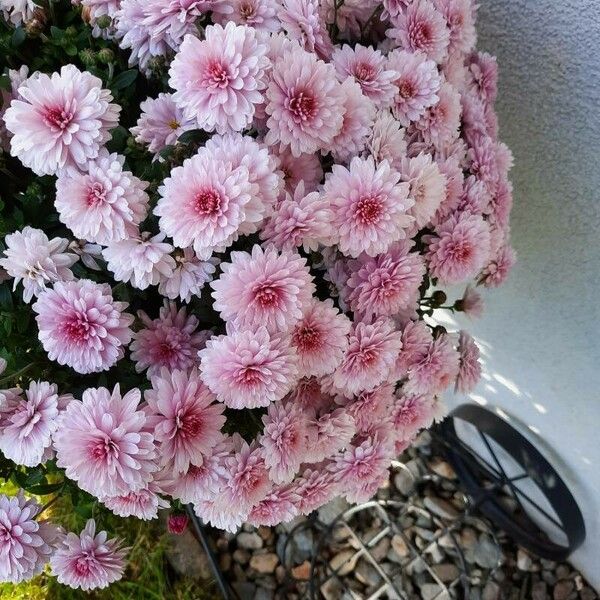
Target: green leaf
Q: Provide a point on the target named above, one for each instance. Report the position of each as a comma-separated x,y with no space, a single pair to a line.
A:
194,135
45,489
71,50
124,79
167,151
18,37
56,32
6,301
5,82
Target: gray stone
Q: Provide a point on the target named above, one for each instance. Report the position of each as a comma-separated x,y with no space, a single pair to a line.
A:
264,563
588,594
429,591
524,562
332,589
330,511
447,572
249,541
440,508
562,590
366,573
381,548
241,556
345,561
539,591
487,554
263,594
491,591
245,590
437,556
187,557
404,482
399,547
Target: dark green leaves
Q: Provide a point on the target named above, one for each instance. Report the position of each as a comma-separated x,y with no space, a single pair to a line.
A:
124,79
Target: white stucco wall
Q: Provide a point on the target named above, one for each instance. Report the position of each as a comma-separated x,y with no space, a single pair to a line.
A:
541,331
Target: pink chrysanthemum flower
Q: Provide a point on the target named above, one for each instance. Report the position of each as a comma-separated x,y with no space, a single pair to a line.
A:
143,504
421,28
219,79
18,12
141,260
304,103
280,505
104,205
427,187
369,206
27,543
303,22
386,141
60,121
259,14
31,258
393,8
497,270
80,325
314,488
500,204
320,338
435,369
161,123
16,78
89,561
440,123
263,288
385,284
299,221
483,162
171,20
459,249
189,276
412,413
471,303
185,420
460,20
416,340
453,193
369,408
329,434
28,423
359,114
103,443
483,71
249,369
309,396
417,83
371,353
285,441
306,168
469,370
169,341
371,71
98,8
218,513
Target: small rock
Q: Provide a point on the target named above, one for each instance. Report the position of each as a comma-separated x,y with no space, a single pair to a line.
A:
399,547
280,573
562,572
404,482
380,550
225,562
578,582
437,556
222,545
440,508
443,469
588,594
264,563
249,541
524,562
245,590
241,556
446,572
330,511
345,561
302,571
263,594
468,538
332,589
186,556
429,591
303,544
487,553
491,591
539,591
562,590
549,577
366,573
264,532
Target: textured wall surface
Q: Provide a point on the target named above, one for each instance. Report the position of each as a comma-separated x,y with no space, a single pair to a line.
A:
541,331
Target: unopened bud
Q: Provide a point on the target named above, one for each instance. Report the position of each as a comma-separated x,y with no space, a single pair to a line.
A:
103,21
88,57
177,523
438,298
105,55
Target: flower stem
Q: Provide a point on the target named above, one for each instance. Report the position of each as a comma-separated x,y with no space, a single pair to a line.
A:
17,374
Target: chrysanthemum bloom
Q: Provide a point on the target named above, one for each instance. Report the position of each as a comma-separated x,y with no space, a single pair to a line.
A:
16,78
371,353
303,22
103,443
299,221
453,173
416,84
368,408
483,162
304,103
392,8
306,168
416,340
421,28
143,504
460,20
18,12
471,303
104,205
435,369
459,249
386,141
97,8
469,370
371,71
140,260
314,488
27,424
280,505
31,258
483,71
412,413
249,369
207,203
219,79
285,441
27,543
309,396
259,14
161,123
359,114
60,120
320,338
385,284
263,288
369,206
89,561
220,514
169,341
189,276
427,187
440,123
185,420
497,270
329,434
80,325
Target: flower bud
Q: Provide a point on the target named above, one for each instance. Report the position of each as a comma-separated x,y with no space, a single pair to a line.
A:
87,57
438,298
177,523
103,21
105,55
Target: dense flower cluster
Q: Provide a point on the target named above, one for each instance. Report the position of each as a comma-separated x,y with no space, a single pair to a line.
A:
340,166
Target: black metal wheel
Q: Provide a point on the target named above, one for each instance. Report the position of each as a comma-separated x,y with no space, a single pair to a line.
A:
511,482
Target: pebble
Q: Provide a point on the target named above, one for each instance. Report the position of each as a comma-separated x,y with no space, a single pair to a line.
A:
380,550
366,573
447,572
245,590
399,547
345,561
539,591
562,590
524,562
332,589
440,508
263,594
443,469
302,571
487,554
264,563
491,591
429,591
241,556
249,541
